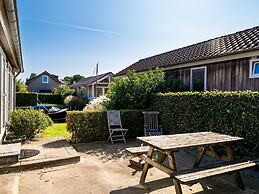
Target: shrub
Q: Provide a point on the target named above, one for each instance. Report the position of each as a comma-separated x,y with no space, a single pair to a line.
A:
232,113
133,91
26,99
63,91
20,86
87,126
28,123
50,98
97,104
75,103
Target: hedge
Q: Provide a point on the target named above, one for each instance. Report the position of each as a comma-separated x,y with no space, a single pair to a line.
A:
232,113
50,98
26,99
87,126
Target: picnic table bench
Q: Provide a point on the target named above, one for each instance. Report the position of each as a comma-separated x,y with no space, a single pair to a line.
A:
166,145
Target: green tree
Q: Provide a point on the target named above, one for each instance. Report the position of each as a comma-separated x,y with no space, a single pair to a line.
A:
20,86
133,91
70,80
64,91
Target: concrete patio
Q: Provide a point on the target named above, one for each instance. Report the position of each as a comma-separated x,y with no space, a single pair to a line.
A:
104,169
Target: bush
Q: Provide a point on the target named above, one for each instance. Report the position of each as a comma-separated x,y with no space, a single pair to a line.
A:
21,86
26,99
75,103
232,113
87,126
133,91
63,91
50,98
97,103
28,123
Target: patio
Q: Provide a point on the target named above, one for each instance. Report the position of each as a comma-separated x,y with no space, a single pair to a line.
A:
104,169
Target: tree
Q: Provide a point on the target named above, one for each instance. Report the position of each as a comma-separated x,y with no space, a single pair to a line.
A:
64,91
70,80
20,86
134,91
32,75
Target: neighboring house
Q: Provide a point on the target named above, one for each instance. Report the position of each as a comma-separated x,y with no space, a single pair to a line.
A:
93,86
43,83
11,64
229,62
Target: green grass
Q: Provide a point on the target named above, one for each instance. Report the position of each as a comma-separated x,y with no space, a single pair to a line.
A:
56,130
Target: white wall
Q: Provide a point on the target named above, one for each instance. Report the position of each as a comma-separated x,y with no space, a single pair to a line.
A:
7,89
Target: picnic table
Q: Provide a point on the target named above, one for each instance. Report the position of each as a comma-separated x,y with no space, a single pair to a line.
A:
165,146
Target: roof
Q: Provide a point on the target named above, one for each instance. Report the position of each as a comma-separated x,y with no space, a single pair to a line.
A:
92,79
239,42
10,9
54,77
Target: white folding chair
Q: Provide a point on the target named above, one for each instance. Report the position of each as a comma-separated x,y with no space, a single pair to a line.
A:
116,132
151,126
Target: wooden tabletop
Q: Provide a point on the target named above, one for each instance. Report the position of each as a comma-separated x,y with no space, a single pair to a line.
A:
187,140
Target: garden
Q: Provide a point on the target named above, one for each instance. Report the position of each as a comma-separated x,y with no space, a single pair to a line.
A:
232,113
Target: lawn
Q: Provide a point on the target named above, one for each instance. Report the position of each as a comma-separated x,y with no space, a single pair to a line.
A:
56,130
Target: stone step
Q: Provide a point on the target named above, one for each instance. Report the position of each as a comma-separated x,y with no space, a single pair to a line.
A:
9,153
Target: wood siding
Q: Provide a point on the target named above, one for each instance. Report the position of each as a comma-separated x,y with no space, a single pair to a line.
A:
225,76
37,85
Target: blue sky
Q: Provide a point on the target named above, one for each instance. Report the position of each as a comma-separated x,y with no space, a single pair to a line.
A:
68,37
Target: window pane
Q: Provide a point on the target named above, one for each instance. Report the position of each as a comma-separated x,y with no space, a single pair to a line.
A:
256,68
198,79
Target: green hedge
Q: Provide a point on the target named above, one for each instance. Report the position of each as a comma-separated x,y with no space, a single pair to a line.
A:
26,99
50,98
87,126
233,113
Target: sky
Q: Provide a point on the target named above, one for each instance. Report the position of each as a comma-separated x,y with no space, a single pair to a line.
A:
67,37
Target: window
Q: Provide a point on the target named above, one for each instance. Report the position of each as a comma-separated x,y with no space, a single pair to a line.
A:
198,79
254,68
45,79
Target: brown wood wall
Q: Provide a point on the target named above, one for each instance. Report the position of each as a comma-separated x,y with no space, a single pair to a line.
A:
229,75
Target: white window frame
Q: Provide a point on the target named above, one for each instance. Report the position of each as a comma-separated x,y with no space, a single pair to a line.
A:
205,77
252,69
42,79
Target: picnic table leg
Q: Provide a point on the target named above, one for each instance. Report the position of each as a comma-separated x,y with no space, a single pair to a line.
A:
146,166
201,152
172,165
237,175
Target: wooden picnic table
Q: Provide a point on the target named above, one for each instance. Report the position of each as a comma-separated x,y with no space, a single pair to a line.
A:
166,145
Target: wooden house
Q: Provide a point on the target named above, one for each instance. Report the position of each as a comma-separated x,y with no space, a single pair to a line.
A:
11,64
227,63
43,82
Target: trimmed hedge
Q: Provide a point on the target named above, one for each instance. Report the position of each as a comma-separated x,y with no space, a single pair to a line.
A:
50,98
26,99
232,113
87,126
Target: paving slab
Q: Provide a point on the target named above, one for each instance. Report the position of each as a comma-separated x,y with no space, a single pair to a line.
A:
43,152
103,169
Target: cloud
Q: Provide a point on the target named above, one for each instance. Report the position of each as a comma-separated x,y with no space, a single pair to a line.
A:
72,26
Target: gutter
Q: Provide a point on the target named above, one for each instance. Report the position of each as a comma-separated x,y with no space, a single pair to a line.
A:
11,12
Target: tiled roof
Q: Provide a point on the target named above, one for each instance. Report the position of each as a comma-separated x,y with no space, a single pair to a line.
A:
92,79
54,77
242,41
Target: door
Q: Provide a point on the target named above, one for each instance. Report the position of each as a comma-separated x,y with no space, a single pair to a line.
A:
198,79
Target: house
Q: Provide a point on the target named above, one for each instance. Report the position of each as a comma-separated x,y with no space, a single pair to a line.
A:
226,63
43,83
93,86
11,64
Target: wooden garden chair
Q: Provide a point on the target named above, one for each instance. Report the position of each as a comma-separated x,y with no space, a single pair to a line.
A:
151,127
116,132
